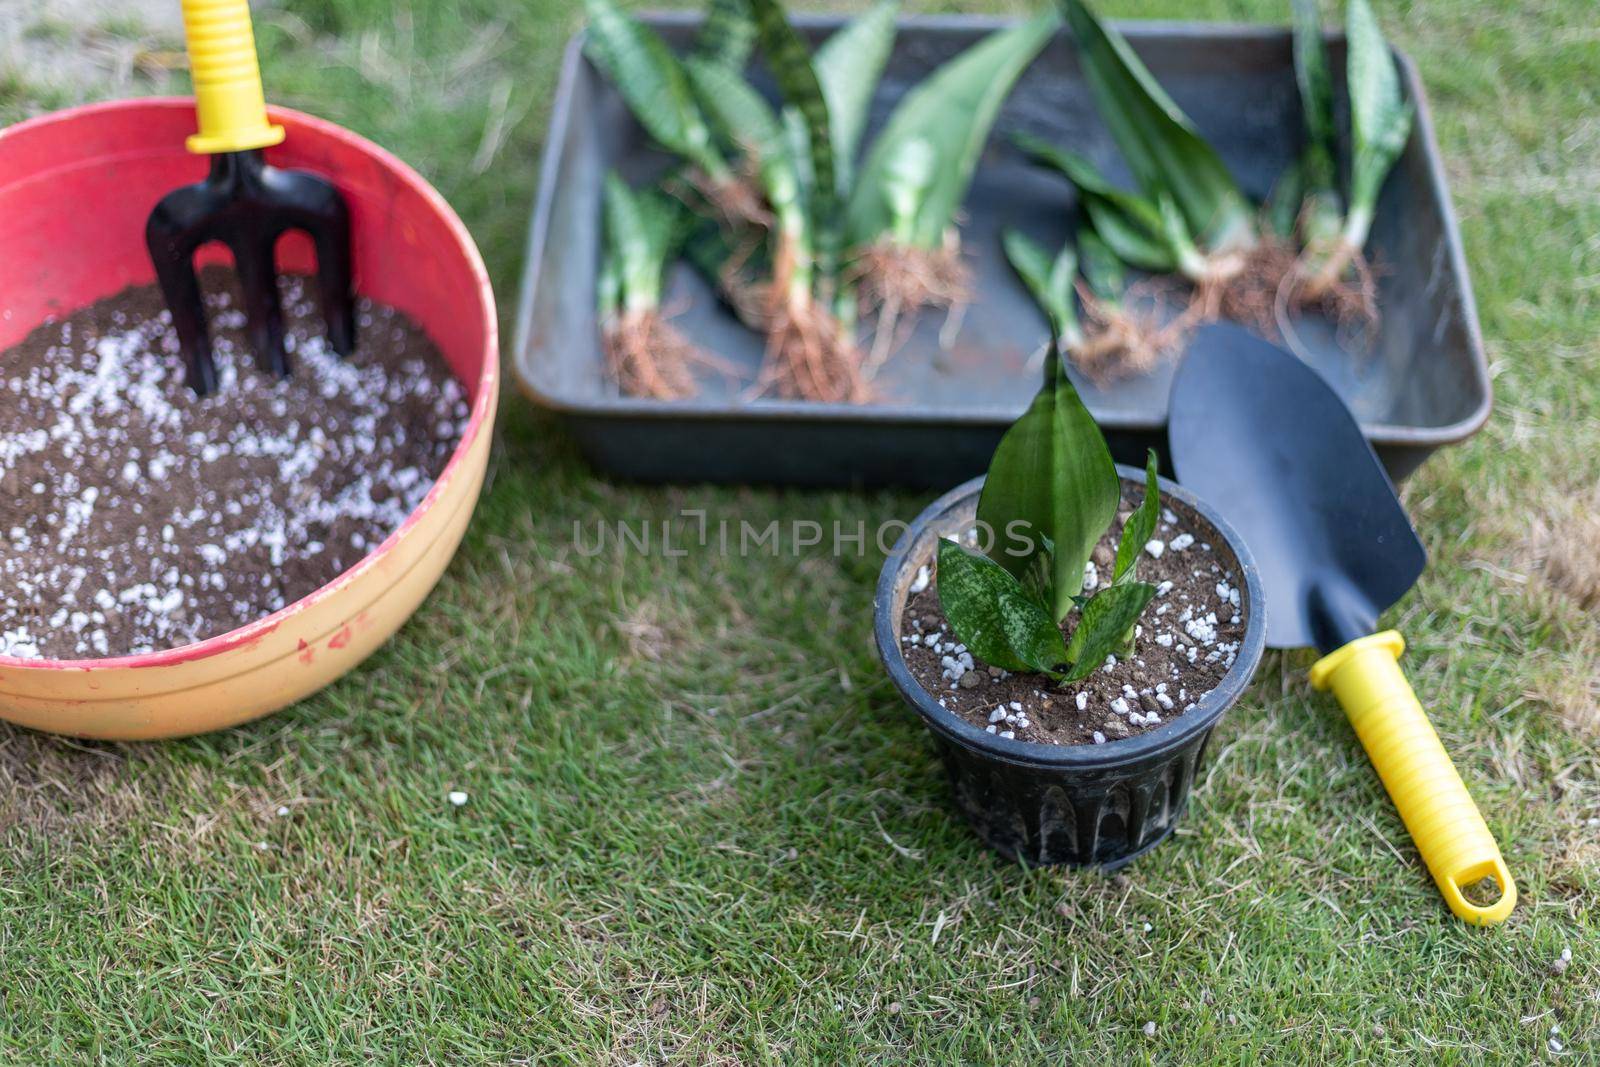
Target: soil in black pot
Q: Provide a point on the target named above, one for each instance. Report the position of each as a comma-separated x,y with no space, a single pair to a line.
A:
136,516
1188,638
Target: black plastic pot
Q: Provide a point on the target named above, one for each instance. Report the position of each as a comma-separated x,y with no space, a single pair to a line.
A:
1101,805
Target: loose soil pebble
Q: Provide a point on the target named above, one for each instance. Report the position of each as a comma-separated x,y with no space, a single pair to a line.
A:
136,516
1188,639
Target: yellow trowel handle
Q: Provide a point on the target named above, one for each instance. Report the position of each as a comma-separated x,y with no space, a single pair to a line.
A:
227,81
1444,822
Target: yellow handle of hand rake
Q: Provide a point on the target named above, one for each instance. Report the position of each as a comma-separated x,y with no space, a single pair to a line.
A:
227,81
1454,841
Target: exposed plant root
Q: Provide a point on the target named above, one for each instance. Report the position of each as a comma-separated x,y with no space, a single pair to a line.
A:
911,277
735,202
1349,298
811,356
896,281
749,299
647,356
1120,343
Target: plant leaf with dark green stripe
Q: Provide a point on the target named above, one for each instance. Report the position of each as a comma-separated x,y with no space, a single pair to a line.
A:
848,66
737,111
1141,525
641,232
1161,146
727,35
993,615
790,62
651,80
1053,475
743,116
1104,625
953,109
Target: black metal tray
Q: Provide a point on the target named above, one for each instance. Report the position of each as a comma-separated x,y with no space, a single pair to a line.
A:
1421,383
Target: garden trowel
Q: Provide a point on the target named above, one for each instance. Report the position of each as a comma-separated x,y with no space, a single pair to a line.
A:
1260,434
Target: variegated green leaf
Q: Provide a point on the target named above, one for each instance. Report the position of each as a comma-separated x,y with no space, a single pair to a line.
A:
641,232
651,81
1283,203
848,66
953,110
743,116
1316,94
993,615
1141,525
727,35
1161,146
1104,625
790,62
1380,119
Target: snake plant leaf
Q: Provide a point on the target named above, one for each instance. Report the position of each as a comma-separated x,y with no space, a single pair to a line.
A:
953,110
1104,625
1283,203
1053,475
608,286
651,81
1320,211
743,116
1316,95
1380,119
993,615
727,35
642,229
1102,268
1049,281
1161,146
790,62
848,66
736,110
1129,222
1141,525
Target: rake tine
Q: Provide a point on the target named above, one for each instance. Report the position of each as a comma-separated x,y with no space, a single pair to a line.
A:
263,313
174,264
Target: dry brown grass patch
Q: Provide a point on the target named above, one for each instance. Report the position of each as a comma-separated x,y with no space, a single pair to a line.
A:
1566,548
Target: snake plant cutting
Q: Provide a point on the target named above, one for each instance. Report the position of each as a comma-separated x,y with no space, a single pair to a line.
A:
1380,126
902,208
1051,493
1190,204
645,354
651,80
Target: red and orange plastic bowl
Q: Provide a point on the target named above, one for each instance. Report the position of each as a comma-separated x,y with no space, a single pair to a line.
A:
75,189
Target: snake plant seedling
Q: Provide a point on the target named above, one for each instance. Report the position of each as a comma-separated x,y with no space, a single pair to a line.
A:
651,80
645,354
901,216
1380,126
1051,493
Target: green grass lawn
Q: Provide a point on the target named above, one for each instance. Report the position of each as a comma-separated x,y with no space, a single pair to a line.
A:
702,828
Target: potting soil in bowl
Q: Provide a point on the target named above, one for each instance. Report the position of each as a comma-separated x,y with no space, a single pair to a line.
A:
1187,639
137,516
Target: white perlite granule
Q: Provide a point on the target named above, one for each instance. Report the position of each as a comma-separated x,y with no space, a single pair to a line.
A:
249,498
